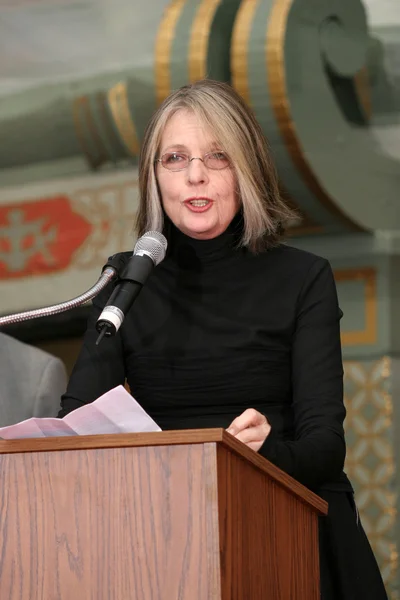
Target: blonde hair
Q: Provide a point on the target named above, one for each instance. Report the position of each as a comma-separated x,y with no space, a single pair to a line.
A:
223,111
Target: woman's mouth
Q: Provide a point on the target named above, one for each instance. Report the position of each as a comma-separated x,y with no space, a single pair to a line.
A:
198,204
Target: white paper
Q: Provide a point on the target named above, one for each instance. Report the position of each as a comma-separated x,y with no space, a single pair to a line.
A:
114,412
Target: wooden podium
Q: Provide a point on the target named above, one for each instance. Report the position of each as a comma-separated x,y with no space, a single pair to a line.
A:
179,515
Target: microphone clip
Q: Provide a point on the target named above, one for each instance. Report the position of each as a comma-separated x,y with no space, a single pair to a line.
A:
130,282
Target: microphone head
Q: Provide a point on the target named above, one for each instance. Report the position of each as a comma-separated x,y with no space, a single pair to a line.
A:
152,244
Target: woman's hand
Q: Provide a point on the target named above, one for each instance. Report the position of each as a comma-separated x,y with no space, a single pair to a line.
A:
251,428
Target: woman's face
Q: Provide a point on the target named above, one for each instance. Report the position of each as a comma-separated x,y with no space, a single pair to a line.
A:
201,202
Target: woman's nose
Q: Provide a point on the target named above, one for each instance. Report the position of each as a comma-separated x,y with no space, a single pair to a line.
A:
197,171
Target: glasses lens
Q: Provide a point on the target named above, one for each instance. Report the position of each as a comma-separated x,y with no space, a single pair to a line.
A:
216,160
175,161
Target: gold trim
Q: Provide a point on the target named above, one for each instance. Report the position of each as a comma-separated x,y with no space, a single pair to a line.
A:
109,131
363,89
119,106
276,76
239,48
81,113
163,48
369,334
103,155
240,79
199,37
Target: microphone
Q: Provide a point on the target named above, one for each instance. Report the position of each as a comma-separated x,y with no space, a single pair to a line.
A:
149,251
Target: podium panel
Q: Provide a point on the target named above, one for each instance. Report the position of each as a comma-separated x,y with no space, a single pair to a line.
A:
191,515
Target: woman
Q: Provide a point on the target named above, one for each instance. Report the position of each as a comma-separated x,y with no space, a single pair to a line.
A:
234,329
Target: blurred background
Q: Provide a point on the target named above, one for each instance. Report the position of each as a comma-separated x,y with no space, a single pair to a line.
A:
79,80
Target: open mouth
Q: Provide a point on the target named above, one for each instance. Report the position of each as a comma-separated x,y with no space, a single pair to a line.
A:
198,204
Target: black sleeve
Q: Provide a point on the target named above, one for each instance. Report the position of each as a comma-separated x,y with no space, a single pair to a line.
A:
317,454
98,369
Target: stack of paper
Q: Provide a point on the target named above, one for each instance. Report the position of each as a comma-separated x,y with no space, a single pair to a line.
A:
114,412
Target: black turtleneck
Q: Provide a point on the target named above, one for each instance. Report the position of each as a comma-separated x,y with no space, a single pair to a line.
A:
216,330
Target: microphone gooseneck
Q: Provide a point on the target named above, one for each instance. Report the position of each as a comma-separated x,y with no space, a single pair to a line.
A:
149,251
109,273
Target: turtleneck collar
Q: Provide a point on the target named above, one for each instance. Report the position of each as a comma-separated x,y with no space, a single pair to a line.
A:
190,253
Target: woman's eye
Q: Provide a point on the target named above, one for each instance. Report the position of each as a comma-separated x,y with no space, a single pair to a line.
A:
217,160
174,157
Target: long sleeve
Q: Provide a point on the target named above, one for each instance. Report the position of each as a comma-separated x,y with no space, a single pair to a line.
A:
318,451
98,369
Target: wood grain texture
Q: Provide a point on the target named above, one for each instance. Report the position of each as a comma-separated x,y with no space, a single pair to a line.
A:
180,437
268,538
110,524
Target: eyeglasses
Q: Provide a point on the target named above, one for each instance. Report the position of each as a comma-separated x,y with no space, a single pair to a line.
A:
179,161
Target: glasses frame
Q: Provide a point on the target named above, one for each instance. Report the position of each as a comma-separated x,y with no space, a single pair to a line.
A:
195,158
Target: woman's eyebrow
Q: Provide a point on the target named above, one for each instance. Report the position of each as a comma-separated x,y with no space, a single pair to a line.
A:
175,147
211,147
